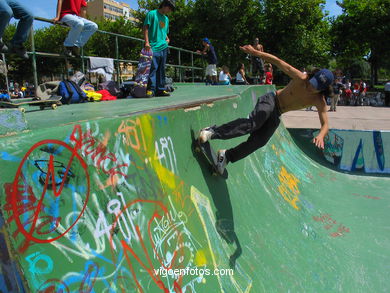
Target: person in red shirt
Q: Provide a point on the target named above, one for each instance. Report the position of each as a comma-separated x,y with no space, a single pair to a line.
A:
268,74
73,13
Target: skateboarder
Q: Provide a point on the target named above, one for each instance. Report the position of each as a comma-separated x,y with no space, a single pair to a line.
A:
156,29
302,91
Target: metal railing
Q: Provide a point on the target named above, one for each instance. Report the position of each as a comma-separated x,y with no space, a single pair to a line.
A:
33,53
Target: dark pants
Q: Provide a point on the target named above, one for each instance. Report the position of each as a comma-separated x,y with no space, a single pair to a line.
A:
261,125
157,71
387,99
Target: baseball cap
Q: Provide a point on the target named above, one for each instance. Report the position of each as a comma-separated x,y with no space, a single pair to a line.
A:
206,40
322,79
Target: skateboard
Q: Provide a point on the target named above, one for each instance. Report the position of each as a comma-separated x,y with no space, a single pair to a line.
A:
53,102
211,156
142,75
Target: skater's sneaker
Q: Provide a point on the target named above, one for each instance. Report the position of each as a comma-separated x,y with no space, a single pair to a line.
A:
221,161
205,134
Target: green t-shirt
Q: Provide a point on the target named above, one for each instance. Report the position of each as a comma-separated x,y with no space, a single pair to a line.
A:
158,30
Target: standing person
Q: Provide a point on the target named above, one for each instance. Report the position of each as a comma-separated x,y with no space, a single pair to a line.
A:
211,69
387,93
73,13
9,8
337,90
303,90
268,73
362,90
347,92
156,29
240,76
257,62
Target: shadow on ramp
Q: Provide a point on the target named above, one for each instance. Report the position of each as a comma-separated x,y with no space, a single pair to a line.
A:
221,198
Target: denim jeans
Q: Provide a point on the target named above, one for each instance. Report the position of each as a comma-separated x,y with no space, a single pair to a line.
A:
81,30
260,125
157,71
12,8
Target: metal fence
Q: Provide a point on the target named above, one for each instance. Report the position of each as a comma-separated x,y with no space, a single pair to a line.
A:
178,66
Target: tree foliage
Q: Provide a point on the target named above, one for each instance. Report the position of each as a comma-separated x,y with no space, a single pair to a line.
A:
363,30
297,31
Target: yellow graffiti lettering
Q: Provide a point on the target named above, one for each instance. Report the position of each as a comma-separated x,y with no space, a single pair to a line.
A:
288,187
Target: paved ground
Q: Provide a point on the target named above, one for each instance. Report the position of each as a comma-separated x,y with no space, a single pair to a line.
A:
346,117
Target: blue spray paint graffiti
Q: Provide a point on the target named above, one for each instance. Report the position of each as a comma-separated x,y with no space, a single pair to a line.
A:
353,150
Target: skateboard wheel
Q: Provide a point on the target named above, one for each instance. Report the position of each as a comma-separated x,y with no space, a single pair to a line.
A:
22,110
197,149
54,106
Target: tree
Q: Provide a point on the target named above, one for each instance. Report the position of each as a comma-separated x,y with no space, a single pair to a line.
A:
362,31
297,31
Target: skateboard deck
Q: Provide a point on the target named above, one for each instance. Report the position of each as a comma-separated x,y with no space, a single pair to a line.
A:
142,75
211,156
42,104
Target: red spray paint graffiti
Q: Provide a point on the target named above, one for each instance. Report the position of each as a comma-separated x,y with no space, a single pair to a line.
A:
17,196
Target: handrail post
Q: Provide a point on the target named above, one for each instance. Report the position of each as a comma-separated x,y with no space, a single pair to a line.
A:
180,71
6,73
192,65
117,60
34,59
82,61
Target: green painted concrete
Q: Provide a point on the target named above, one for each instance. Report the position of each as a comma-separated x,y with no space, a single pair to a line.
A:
98,204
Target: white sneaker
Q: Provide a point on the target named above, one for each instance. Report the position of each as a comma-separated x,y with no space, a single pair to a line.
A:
221,161
205,134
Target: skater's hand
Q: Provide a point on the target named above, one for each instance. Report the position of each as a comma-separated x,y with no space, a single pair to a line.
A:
147,46
56,19
319,142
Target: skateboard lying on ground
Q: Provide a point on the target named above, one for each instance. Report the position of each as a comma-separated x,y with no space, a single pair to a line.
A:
142,75
211,156
53,102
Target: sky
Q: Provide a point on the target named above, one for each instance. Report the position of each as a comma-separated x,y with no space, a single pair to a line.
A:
47,8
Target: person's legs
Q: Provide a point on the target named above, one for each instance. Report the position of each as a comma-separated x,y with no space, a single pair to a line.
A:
25,22
5,16
262,111
256,140
336,100
88,30
153,71
160,82
76,25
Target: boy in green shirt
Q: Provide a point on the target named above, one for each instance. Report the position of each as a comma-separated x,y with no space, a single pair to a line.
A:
156,29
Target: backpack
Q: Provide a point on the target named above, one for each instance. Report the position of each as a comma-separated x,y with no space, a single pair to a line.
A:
70,92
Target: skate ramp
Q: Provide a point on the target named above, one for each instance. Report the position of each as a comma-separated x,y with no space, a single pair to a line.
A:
107,204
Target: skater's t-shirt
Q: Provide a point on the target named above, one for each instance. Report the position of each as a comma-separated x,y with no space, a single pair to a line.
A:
158,25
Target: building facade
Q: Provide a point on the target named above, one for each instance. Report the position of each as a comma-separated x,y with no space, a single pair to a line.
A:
109,9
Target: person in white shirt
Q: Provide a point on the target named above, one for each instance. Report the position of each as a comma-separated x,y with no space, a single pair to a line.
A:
240,76
224,76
